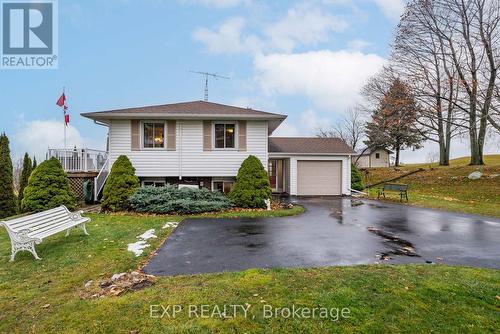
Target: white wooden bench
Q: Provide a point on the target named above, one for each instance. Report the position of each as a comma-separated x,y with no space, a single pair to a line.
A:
26,231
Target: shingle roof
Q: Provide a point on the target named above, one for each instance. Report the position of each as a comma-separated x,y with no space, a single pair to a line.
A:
309,145
193,109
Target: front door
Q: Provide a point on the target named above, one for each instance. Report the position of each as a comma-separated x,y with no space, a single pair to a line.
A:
275,171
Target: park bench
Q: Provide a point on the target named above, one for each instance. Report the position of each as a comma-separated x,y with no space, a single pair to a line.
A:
397,187
26,231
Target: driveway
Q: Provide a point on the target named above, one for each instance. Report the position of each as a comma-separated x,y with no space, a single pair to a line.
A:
338,231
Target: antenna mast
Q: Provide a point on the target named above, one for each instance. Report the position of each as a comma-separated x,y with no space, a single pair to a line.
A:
206,75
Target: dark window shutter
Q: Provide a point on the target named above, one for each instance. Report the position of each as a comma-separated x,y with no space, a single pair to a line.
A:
135,139
171,135
207,135
242,135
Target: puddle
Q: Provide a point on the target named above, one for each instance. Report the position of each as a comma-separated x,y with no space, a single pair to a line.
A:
396,245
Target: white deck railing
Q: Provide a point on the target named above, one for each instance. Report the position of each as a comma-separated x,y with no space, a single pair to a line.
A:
79,159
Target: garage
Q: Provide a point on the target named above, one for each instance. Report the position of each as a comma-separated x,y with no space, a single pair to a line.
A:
319,177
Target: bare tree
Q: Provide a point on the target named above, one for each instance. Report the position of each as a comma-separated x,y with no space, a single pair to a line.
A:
419,57
470,33
351,128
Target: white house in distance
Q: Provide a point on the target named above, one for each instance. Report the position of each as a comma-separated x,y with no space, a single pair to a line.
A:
202,144
379,157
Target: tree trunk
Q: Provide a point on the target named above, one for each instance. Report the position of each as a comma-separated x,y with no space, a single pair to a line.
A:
398,149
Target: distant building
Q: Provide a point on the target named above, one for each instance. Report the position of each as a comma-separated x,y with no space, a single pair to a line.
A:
378,157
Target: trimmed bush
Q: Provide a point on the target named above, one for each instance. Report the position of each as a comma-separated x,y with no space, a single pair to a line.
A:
356,179
48,187
120,185
172,200
252,186
7,197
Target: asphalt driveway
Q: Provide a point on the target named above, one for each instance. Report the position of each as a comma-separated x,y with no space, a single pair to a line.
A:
338,231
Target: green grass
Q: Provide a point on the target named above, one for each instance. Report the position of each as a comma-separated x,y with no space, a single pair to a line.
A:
381,298
489,160
446,188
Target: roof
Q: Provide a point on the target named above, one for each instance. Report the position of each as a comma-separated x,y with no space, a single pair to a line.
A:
189,110
195,108
309,145
370,151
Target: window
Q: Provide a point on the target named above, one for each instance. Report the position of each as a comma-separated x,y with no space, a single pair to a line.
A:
377,155
154,135
151,183
223,186
225,135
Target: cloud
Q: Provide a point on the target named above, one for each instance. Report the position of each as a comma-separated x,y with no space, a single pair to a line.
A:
358,44
391,8
36,136
310,122
227,38
331,79
303,26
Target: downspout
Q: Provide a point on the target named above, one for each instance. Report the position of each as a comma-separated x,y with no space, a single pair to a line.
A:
180,150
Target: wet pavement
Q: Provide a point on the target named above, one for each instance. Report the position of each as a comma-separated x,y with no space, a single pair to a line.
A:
336,231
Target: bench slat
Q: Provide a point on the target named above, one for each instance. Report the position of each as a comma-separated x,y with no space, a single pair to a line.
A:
28,224
35,216
48,225
60,228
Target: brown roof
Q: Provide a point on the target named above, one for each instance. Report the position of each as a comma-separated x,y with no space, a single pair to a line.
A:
195,109
309,145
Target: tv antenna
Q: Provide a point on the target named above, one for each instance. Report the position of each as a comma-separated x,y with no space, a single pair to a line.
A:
207,75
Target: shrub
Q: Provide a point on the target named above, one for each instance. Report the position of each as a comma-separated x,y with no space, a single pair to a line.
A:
252,186
172,200
25,174
48,187
7,197
120,185
356,179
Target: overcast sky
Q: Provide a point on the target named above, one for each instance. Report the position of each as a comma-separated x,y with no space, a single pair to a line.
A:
306,59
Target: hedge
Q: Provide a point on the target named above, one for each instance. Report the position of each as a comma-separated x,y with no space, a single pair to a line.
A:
169,199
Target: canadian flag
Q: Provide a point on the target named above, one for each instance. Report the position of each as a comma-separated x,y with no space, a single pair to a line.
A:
61,102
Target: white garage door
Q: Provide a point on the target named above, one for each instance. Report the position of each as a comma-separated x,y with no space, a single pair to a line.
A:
319,177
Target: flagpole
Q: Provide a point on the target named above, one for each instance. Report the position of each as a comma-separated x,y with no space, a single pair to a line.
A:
65,147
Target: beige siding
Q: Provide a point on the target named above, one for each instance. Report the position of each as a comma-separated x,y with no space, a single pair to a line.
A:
189,159
382,161
319,177
363,161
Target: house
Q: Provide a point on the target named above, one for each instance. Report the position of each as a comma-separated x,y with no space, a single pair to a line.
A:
202,144
368,158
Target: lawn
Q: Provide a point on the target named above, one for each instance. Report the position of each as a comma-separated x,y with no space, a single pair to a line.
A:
43,296
447,188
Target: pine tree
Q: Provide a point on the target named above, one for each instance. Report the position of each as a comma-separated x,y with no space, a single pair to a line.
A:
252,186
25,174
35,164
393,124
356,179
7,197
120,185
48,187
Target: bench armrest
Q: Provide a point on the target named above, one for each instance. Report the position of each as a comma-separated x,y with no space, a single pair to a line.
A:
75,215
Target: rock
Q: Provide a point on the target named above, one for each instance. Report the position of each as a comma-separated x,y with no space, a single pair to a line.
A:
105,283
475,175
88,284
116,277
492,176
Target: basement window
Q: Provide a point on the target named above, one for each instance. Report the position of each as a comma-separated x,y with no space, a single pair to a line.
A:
223,186
153,183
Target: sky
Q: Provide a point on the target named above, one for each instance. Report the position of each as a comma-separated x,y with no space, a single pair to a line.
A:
307,59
